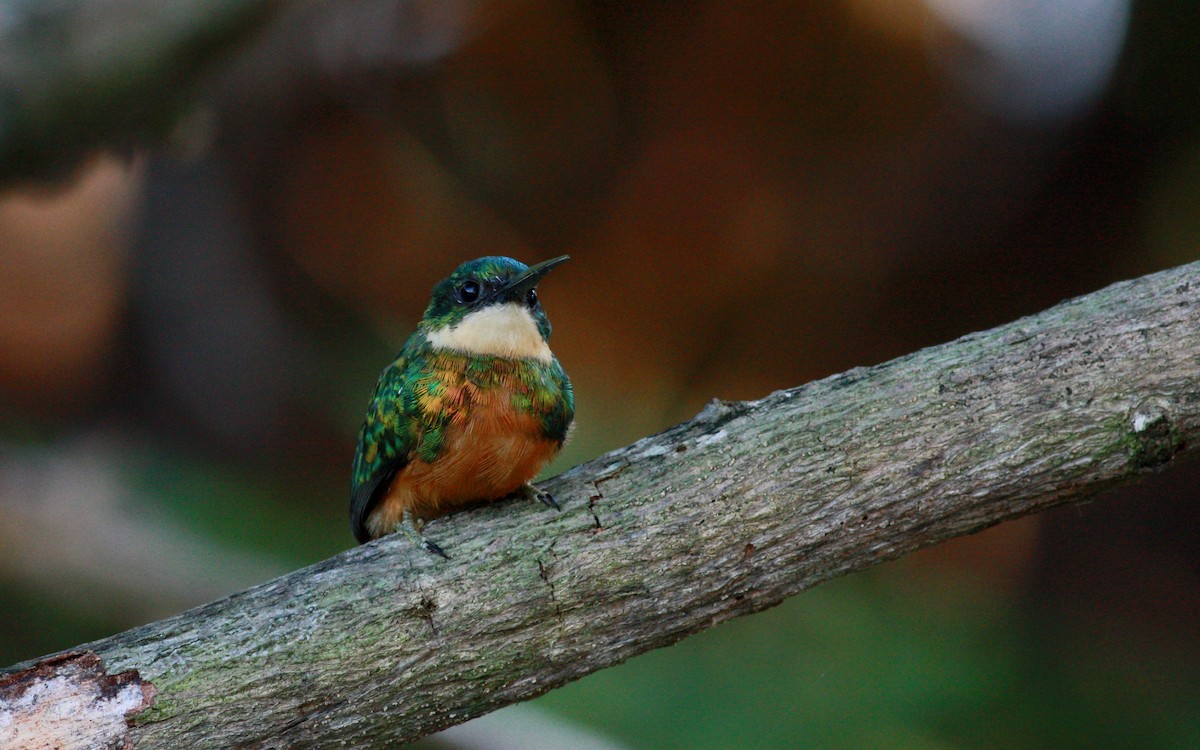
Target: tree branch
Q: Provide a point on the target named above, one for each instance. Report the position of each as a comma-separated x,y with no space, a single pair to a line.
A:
724,515
81,75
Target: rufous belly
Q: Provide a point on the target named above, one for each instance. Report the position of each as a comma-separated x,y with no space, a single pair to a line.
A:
489,451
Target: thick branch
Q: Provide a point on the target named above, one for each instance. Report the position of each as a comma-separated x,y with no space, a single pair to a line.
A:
724,515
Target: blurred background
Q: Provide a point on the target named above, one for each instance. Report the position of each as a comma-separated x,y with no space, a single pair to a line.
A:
754,195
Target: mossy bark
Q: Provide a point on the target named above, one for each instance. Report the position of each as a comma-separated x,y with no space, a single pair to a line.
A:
724,515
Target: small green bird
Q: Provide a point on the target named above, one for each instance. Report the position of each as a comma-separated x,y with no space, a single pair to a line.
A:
471,409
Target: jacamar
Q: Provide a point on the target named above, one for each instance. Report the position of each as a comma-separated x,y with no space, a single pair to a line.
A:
470,410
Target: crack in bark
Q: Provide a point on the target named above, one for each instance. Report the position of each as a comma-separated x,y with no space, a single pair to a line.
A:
425,610
544,574
611,472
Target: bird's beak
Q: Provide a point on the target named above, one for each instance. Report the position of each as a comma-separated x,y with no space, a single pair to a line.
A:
516,288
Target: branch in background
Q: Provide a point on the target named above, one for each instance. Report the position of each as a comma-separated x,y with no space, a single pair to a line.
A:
72,526
76,77
81,76
727,514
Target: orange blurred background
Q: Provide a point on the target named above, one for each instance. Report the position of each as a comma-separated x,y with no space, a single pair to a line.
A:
754,195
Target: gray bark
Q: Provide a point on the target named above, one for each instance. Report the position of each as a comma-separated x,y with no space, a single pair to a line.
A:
724,515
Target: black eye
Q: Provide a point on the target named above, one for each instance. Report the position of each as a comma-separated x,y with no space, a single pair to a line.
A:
468,291
531,298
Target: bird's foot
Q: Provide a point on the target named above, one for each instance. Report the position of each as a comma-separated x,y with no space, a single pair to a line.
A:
410,525
529,492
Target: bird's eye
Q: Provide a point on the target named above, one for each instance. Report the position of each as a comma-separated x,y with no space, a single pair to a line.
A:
531,298
468,291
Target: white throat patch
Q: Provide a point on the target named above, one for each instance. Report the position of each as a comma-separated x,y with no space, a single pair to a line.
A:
506,330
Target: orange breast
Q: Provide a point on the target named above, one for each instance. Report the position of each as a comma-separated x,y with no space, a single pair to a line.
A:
488,452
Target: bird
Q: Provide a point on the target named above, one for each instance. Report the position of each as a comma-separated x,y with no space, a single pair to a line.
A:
470,410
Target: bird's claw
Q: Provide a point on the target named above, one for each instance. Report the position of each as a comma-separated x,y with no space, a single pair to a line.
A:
433,548
412,529
548,500
543,497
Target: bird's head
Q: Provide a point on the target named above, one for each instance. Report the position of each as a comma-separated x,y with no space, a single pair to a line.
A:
490,307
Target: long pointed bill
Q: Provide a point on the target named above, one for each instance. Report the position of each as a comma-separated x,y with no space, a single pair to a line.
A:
528,279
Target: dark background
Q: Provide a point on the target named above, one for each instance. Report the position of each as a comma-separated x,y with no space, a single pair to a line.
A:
754,195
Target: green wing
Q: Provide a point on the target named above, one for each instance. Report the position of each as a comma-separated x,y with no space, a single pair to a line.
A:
385,444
